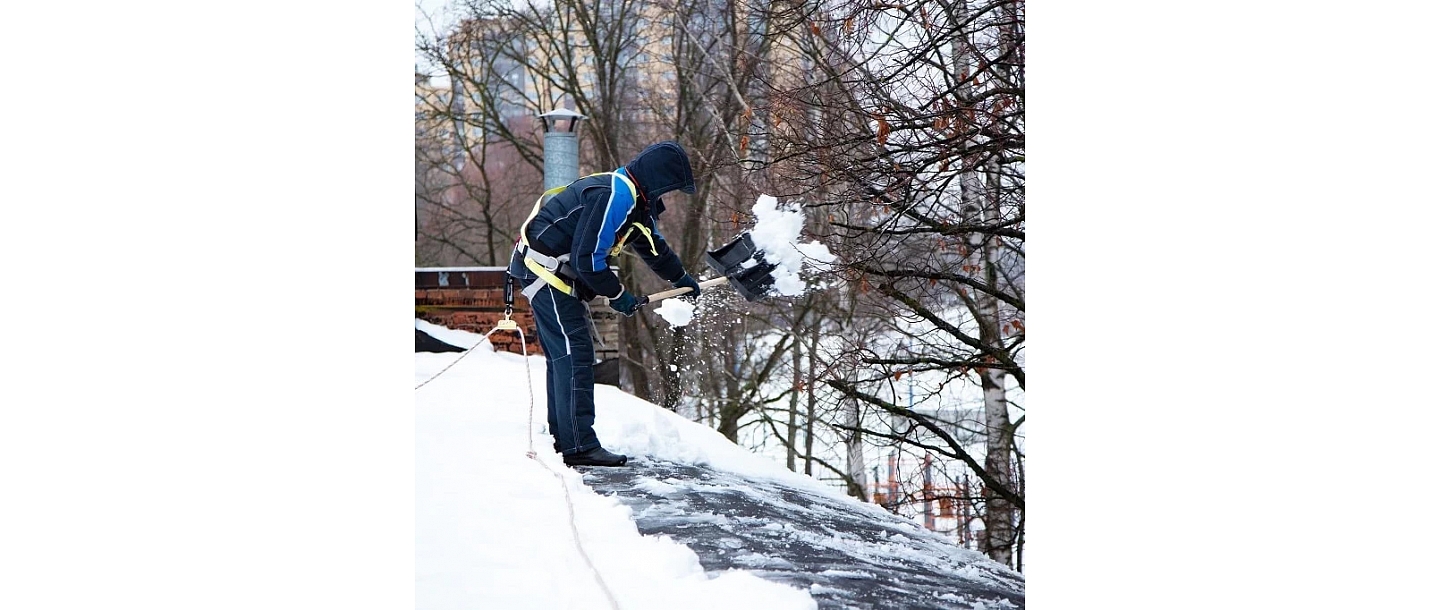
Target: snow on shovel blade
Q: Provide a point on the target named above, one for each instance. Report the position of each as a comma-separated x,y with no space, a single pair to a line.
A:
746,268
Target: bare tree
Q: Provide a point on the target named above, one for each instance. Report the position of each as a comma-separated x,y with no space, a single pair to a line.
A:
478,153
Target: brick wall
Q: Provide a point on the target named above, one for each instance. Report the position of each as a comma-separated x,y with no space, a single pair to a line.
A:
473,299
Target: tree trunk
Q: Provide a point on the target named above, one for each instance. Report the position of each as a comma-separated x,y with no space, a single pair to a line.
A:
792,428
637,377
999,513
999,537
670,377
810,397
854,449
981,205
728,422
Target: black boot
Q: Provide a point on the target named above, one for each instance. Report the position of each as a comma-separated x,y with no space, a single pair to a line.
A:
595,457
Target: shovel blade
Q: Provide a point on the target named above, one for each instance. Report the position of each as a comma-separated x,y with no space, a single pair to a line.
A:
746,268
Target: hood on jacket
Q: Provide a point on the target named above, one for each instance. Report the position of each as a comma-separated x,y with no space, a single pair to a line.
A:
661,168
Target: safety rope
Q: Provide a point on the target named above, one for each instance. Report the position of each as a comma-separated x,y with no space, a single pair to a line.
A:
575,532
509,324
457,360
530,453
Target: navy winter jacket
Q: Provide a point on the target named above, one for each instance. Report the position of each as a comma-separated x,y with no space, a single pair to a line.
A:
598,214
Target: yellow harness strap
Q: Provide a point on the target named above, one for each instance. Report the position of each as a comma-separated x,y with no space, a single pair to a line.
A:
525,226
620,243
550,278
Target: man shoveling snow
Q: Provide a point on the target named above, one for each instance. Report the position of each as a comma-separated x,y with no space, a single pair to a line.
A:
562,261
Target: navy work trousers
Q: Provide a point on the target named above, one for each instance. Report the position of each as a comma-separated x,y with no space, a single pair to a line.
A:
564,325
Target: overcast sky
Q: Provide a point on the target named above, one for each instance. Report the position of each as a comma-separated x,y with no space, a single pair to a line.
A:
429,15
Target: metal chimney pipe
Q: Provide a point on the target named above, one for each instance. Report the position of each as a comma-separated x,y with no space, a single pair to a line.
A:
562,146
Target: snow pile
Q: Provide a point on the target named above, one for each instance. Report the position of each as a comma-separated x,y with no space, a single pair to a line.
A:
492,526
678,312
777,235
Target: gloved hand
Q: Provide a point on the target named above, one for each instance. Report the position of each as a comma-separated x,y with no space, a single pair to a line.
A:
688,282
626,303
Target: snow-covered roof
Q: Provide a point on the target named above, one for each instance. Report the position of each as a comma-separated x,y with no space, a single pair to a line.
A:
493,527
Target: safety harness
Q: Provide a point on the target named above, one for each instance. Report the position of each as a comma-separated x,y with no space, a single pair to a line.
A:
554,270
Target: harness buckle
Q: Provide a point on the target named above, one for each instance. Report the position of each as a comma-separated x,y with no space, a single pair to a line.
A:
548,270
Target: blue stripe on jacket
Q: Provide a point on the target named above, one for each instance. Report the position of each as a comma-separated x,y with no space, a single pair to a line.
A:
617,209
594,234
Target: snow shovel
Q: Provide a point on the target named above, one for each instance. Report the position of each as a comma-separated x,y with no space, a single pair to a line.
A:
675,292
738,263
744,266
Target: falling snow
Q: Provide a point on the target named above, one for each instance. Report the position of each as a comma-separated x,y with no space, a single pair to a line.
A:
777,236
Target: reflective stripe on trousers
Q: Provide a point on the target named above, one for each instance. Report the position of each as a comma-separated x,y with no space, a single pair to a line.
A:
563,322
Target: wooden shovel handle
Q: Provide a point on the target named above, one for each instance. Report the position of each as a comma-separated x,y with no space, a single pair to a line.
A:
675,292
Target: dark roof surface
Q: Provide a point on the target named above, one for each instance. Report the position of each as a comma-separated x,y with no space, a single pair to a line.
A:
845,553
